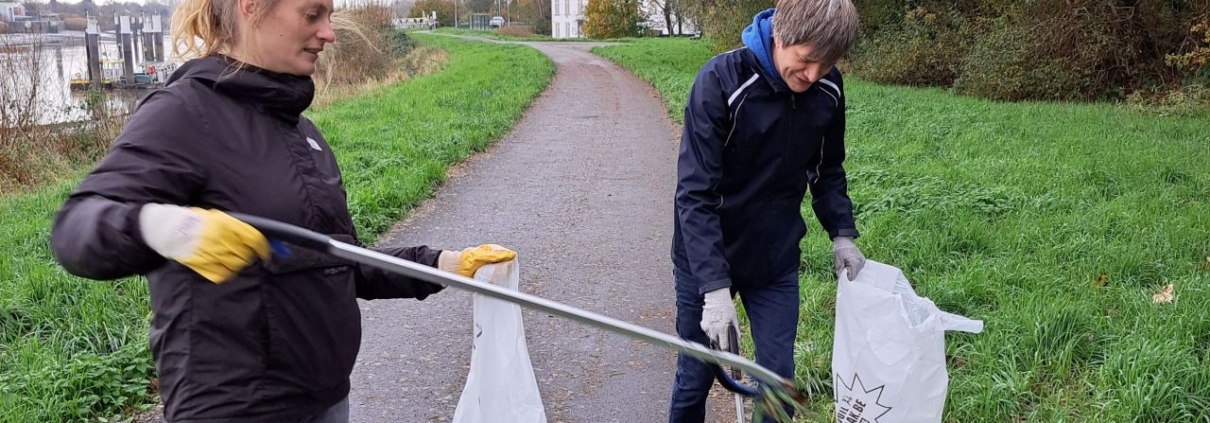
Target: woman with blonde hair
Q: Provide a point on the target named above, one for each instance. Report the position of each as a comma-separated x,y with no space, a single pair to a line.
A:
240,331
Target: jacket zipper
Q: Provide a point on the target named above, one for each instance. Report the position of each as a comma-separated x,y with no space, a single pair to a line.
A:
822,142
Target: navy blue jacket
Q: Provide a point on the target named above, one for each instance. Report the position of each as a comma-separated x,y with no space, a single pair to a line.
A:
749,150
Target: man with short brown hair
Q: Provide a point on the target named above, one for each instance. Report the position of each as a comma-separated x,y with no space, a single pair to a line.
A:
763,123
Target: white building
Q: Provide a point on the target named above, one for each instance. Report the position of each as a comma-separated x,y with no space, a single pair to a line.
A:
566,18
10,11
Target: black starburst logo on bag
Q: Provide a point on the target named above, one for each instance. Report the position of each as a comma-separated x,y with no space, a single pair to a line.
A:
856,404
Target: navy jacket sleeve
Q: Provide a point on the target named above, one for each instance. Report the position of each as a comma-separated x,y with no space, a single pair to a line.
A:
699,170
95,234
829,192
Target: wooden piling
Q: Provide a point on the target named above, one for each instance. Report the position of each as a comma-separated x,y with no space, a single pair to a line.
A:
126,35
92,48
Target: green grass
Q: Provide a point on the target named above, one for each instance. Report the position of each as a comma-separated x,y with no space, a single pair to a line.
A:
74,350
1007,213
496,35
669,65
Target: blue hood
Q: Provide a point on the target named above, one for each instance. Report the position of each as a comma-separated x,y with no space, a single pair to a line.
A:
758,37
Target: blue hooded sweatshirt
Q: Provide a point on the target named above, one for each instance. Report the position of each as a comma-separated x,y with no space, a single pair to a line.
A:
758,37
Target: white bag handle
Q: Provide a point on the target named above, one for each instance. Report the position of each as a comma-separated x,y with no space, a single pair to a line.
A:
954,322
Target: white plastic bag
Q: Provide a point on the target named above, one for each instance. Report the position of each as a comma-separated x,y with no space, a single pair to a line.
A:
888,356
501,387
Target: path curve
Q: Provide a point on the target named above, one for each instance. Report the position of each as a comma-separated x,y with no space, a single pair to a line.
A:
581,188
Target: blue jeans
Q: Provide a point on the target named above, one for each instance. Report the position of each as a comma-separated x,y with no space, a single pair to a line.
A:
773,314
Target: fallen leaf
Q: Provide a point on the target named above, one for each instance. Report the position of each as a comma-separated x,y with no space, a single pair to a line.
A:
1100,281
1164,296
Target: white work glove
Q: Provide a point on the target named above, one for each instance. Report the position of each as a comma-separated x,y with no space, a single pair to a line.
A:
846,256
212,243
719,312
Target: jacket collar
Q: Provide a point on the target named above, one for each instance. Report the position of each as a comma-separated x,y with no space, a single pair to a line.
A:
282,96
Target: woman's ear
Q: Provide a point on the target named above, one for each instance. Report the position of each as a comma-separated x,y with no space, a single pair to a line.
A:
247,8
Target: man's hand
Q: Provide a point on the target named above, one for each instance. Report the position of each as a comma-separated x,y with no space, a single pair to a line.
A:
212,243
717,314
468,261
846,256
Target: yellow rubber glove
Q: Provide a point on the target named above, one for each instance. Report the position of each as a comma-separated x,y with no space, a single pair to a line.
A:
468,261
212,243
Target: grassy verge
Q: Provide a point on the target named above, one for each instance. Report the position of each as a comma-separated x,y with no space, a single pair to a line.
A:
76,350
1054,224
495,35
669,65
503,36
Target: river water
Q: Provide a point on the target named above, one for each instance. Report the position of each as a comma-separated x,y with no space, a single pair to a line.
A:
43,66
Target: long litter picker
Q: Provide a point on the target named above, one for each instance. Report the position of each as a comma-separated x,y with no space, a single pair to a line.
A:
774,393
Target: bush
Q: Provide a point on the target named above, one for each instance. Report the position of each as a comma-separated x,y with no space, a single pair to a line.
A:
1195,61
724,20
1034,50
366,47
910,54
1061,51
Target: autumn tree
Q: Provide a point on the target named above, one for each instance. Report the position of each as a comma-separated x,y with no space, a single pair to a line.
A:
723,20
612,18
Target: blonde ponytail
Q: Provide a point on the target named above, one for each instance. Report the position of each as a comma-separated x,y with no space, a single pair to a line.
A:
212,22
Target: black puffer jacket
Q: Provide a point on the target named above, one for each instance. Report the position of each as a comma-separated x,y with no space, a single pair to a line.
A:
279,340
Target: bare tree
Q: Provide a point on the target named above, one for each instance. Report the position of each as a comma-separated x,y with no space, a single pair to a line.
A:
20,76
680,11
402,8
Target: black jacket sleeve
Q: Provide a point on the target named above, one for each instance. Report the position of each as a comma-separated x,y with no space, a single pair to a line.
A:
699,170
375,283
95,234
829,191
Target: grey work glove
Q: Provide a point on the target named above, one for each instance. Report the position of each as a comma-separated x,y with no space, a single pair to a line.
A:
719,312
846,256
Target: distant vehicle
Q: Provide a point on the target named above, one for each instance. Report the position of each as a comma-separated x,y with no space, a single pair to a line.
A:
496,22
